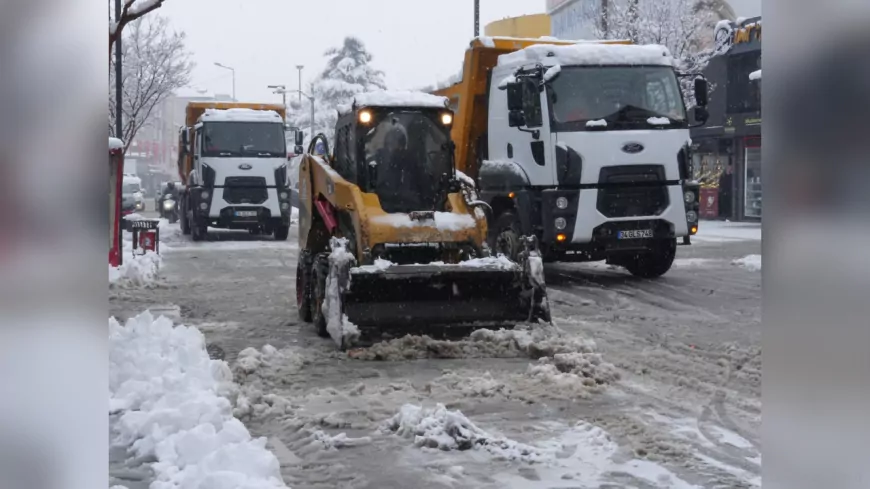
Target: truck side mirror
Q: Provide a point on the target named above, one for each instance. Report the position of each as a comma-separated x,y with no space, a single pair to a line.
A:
701,92
300,138
532,103
515,96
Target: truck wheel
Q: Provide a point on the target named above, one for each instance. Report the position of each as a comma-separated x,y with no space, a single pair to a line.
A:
303,287
505,236
281,233
654,263
320,273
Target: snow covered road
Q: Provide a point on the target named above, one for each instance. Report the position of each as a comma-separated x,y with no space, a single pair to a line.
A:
651,384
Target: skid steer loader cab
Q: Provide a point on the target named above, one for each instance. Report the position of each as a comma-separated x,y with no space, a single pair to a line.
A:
390,241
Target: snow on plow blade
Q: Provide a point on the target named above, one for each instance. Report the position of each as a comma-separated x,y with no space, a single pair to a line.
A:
409,298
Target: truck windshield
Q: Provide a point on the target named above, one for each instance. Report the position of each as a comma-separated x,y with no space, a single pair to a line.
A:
410,153
243,139
625,97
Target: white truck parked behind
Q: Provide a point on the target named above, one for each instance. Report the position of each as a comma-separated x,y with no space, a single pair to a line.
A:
233,163
585,146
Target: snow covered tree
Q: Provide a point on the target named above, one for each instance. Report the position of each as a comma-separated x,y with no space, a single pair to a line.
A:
154,62
347,73
685,27
131,10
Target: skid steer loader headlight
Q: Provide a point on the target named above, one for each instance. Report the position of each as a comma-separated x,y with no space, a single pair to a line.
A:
447,119
365,116
562,203
204,195
689,196
561,223
284,196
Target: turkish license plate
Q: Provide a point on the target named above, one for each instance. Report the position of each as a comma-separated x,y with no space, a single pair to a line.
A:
246,213
635,234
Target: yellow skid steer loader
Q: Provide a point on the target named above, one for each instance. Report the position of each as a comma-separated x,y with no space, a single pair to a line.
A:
391,236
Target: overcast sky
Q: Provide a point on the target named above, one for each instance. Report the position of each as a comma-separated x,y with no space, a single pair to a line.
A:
415,42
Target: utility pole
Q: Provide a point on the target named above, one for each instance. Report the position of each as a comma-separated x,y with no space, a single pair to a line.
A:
299,67
119,102
476,18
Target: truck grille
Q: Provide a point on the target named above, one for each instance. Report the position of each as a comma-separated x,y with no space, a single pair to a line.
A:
245,190
632,191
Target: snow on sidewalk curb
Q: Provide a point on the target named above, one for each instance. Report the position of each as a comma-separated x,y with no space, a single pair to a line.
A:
172,403
135,271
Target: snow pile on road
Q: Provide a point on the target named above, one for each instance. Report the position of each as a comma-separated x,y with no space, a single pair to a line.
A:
442,429
751,262
522,342
170,399
256,372
342,331
136,270
570,369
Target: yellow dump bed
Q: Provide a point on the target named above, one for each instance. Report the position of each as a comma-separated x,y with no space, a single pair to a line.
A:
468,97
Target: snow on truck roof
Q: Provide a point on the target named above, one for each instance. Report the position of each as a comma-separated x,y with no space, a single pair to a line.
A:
399,98
241,115
589,54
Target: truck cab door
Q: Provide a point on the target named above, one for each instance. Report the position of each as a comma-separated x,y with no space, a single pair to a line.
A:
541,151
197,153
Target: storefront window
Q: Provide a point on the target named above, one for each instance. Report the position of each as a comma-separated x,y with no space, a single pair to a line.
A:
752,194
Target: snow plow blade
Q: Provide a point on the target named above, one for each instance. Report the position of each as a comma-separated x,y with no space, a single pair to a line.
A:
414,298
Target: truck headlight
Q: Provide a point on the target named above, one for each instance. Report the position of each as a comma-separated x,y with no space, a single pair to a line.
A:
204,194
562,203
692,216
561,223
689,196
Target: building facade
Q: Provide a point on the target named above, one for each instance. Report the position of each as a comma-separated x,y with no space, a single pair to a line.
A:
526,26
727,150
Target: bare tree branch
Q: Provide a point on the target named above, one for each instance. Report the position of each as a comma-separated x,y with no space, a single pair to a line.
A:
130,12
685,27
155,63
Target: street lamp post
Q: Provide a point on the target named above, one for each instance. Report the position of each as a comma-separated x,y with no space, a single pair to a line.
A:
283,91
234,77
311,99
476,18
299,67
